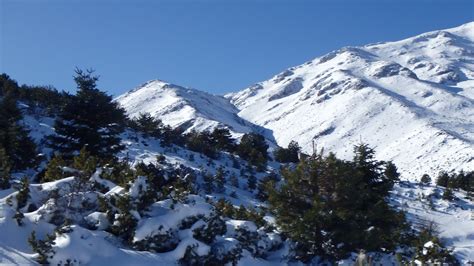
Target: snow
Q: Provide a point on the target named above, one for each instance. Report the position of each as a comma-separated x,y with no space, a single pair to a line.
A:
184,107
411,100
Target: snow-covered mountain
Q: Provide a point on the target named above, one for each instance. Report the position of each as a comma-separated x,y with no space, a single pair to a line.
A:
184,107
413,100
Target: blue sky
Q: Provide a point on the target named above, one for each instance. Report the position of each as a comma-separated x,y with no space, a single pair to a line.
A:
217,46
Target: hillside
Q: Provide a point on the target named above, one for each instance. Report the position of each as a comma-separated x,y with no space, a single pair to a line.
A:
187,108
413,100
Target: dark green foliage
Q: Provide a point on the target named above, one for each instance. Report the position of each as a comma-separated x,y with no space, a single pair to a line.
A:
45,97
220,180
234,180
208,183
391,172
191,257
462,180
252,182
147,125
124,224
253,148
5,169
54,169
288,155
119,172
201,142
443,179
249,241
326,201
85,163
448,194
425,179
172,136
226,209
207,233
429,249
44,100
23,193
14,138
162,242
19,217
89,119
265,185
44,248
222,140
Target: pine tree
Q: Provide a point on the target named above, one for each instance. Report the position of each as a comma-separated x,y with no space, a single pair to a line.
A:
125,224
253,148
89,119
208,183
289,155
443,179
85,162
44,248
14,138
331,207
222,139
234,180
148,125
5,169
54,169
252,182
24,193
425,179
220,180
448,194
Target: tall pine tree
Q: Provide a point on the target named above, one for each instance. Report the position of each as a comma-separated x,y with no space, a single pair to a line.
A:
14,137
90,119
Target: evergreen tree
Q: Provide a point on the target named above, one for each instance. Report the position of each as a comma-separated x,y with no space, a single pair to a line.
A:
208,184
448,194
391,172
148,125
425,179
220,180
5,169
201,142
234,180
14,138
44,248
253,148
24,193
85,163
331,207
252,182
443,179
90,119
125,224
222,140
54,169
289,155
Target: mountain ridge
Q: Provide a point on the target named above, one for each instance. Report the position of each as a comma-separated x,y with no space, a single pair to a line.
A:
412,100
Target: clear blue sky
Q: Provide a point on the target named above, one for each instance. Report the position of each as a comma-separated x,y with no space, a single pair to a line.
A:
217,46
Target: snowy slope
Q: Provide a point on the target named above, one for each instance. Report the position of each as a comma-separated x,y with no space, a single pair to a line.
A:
413,100
88,246
184,107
